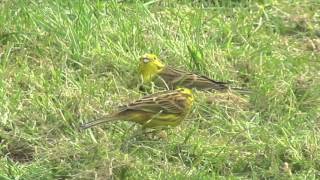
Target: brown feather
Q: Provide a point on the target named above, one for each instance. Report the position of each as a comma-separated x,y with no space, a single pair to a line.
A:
174,78
164,101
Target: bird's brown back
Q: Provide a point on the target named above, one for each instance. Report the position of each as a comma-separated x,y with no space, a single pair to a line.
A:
174,78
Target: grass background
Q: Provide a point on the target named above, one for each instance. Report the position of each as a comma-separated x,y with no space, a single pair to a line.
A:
63,63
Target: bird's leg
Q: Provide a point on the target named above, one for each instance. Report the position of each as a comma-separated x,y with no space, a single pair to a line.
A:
163,134
152,87
158,133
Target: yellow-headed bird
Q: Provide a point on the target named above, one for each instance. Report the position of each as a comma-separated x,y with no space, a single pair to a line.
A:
151,68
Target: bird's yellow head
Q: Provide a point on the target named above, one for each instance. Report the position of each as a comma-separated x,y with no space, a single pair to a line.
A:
187,93
149,66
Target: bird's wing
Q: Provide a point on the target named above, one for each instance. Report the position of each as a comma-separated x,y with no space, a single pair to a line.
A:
162,102
179,77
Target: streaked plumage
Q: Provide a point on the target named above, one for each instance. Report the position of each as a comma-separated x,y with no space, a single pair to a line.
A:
175,78
151,68
167,108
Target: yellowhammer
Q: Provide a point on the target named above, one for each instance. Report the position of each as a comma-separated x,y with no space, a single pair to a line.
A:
167,108
151,68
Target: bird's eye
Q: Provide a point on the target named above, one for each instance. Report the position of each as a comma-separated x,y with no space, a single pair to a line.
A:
145,60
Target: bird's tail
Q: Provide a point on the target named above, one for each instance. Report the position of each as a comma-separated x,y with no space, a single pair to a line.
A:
98,121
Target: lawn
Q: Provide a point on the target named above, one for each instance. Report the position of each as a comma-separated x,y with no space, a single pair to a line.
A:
63,63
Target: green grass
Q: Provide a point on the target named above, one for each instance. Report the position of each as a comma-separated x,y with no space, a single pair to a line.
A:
63,63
